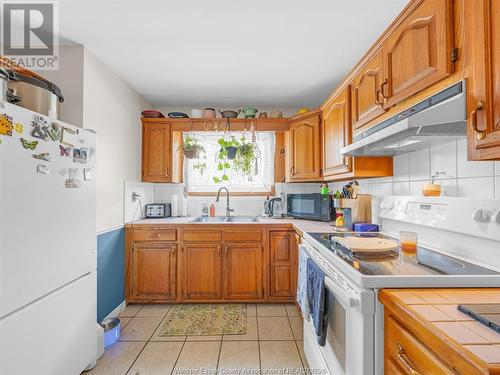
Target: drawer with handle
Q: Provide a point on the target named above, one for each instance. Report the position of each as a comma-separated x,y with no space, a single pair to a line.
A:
155,235
407,353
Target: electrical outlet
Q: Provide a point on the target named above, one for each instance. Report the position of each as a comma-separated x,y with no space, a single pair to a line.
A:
135,196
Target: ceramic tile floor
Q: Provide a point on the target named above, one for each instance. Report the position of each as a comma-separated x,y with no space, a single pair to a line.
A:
273,342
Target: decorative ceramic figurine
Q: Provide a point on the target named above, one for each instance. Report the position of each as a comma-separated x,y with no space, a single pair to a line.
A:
276,114
263,115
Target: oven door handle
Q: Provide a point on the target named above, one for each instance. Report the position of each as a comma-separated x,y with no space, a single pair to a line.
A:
345,298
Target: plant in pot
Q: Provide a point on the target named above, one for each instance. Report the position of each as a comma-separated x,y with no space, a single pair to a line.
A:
245,159
191,147
228,147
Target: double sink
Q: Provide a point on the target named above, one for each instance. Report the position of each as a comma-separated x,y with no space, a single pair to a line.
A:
225,219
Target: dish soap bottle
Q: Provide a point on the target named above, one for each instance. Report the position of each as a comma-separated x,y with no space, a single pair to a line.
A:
204,210
212,210
325,190
339,221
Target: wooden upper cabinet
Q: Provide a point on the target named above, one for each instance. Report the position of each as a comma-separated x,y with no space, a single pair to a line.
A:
202,266
283,267
156,152
337,134
243,271
153,271
483,120
366,92
304,149
418,52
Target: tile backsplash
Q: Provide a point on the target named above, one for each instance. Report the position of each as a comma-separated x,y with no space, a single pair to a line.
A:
458,177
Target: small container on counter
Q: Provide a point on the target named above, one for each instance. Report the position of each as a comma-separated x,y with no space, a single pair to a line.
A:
212,210
365,227
408,242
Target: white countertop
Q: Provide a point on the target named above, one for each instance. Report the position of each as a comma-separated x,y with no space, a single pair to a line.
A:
300,225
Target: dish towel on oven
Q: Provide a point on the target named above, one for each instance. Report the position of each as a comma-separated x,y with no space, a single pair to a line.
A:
317,300
302,283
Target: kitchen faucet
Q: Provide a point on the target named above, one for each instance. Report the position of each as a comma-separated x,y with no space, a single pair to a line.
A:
228,208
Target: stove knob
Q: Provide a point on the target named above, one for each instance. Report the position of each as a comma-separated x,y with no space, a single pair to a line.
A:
390,206
481,216
496,217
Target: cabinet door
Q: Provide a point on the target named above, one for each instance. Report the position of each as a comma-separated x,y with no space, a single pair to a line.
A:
283,251
418,51
153,271
156,152
243,271
483,131
366,90
202,272
305,150
337,134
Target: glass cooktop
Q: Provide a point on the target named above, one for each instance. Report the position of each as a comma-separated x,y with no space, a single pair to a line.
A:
423,262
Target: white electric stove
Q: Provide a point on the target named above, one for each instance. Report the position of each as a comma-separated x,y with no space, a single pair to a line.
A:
458,246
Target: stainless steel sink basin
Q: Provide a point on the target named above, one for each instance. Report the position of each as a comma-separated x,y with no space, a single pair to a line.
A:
223,219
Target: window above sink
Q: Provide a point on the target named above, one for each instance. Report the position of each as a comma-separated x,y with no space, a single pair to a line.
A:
261,180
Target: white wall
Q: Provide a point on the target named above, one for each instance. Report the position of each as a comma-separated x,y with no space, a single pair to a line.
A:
113,109
69,78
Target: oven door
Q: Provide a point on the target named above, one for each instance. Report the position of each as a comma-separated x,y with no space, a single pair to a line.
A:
349,347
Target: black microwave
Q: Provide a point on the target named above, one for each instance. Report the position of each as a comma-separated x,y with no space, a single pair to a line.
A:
310,206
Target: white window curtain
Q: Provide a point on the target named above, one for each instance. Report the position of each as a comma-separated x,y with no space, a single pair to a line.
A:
261,179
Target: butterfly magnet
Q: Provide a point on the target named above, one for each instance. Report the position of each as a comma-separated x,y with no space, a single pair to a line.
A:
65,151
6,125
43,156
28,145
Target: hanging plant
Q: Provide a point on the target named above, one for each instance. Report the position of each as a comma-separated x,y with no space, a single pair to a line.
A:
191,147
245,160
228,147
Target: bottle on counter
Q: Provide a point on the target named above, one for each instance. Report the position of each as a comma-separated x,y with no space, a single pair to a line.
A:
325,190
204,210
212,210
339,221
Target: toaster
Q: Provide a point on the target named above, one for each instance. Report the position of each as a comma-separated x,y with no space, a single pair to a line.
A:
158,210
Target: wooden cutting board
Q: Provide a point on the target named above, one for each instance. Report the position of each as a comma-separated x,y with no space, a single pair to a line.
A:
368,244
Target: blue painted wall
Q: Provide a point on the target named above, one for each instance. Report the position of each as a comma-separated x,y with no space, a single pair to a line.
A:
110,271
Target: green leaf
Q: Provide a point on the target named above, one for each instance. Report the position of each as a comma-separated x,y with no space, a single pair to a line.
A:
227,165
216,180
225,177
220,167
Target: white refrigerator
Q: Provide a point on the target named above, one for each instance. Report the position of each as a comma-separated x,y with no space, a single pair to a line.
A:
47,245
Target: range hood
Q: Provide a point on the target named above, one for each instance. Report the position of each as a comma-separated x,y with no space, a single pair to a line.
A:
436,119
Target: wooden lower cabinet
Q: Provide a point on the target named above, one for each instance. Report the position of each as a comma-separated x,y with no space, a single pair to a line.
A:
243,271
153,271
283,264
201,272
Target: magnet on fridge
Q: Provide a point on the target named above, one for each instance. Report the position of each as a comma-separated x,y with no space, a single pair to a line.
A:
41,128
28,145
6,125
87,174
19,128
55,132
91,152
42,169
63,172
65,151
72,182
67,130
43,156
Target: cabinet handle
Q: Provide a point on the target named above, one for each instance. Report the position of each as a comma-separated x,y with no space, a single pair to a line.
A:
174,253
480,134
166,172
225,250
377,101
405,361
292,171
386,81
218,251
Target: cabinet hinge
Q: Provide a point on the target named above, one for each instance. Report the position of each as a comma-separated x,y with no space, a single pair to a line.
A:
454,54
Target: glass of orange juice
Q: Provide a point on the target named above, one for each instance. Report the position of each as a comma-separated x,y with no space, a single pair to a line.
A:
408,242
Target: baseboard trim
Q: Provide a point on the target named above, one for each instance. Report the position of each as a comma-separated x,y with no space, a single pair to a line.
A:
118,309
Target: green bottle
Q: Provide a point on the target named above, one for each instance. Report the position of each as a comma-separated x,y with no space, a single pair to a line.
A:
325,190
